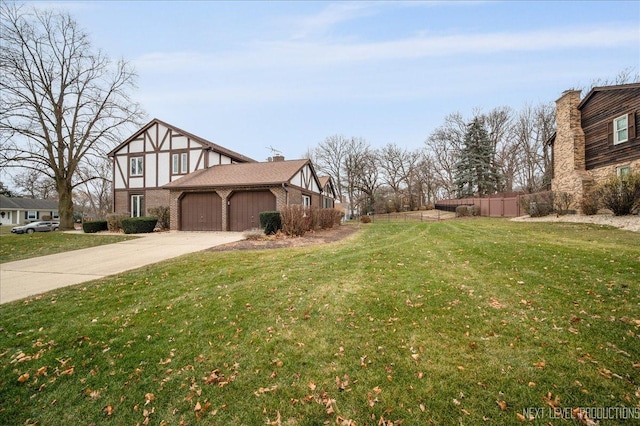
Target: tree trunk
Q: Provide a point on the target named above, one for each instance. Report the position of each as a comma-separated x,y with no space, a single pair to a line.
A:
65,205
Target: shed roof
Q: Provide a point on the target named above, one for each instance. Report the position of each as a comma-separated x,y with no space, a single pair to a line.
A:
19,203
245,174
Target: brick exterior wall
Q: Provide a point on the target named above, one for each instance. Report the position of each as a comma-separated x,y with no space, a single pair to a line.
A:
568,150
224,194
174,220
156,198
121,201
152,198
281,197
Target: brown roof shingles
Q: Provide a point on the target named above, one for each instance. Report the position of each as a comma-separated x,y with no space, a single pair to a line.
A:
245,174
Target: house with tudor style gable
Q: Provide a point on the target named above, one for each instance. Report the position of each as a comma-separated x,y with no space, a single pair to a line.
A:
596,137
207,187
156,155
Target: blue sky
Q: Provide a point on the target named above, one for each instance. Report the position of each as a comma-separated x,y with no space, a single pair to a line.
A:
254,75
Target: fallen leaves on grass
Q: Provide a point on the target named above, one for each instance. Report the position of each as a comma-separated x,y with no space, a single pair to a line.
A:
495,303
583,418
261,390
343,384
540,364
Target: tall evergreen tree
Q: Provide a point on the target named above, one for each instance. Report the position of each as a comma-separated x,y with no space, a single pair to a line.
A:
476,173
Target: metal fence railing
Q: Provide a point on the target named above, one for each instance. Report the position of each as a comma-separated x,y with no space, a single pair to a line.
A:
421,216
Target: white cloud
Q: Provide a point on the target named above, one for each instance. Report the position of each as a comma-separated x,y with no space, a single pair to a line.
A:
308,54
321,23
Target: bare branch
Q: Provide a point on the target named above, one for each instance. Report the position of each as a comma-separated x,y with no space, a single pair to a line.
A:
63,102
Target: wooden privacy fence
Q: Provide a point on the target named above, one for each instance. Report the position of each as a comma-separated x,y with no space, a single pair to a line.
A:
494,206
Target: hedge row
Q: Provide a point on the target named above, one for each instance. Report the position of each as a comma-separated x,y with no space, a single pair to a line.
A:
139,225
94,226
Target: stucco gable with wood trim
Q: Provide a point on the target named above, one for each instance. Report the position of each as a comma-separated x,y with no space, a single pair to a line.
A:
155,155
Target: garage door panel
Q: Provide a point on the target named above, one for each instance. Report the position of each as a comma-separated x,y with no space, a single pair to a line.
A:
201,211
245,208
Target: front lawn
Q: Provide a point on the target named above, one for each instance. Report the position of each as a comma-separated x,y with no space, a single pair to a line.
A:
25,246
480,321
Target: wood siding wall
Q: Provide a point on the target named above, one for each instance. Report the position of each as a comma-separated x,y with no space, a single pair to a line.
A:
597,114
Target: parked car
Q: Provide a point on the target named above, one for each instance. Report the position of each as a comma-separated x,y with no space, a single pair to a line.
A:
42,226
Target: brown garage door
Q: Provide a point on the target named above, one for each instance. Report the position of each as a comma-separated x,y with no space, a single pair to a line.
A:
201,211
245,208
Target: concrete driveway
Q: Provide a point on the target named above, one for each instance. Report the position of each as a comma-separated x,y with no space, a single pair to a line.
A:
30,277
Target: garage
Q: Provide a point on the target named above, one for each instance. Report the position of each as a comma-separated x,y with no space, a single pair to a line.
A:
201,211
245,208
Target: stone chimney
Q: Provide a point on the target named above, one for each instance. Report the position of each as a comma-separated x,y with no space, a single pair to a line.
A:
278,157
570,174
569,125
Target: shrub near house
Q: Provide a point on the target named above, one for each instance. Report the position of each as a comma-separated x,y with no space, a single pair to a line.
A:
139,225
91,227
620,194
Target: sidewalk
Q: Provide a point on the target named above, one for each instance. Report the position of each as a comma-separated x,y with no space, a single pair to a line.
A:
30,277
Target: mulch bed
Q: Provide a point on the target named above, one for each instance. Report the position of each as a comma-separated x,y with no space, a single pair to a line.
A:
281,241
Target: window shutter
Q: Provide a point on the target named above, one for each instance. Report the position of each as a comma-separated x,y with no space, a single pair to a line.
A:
631,123
610,133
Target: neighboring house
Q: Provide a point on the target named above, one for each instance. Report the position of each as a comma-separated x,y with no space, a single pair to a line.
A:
156,155
19,211
595,138
231,197
329,194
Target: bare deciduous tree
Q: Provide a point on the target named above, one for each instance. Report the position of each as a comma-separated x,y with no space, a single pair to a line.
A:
625,76
95,194
396,164
329,159
426,178
5,191
443,149
532,128
35,184
361,168
62,101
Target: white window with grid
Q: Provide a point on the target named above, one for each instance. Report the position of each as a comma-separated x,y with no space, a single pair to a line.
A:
136,166
620,129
